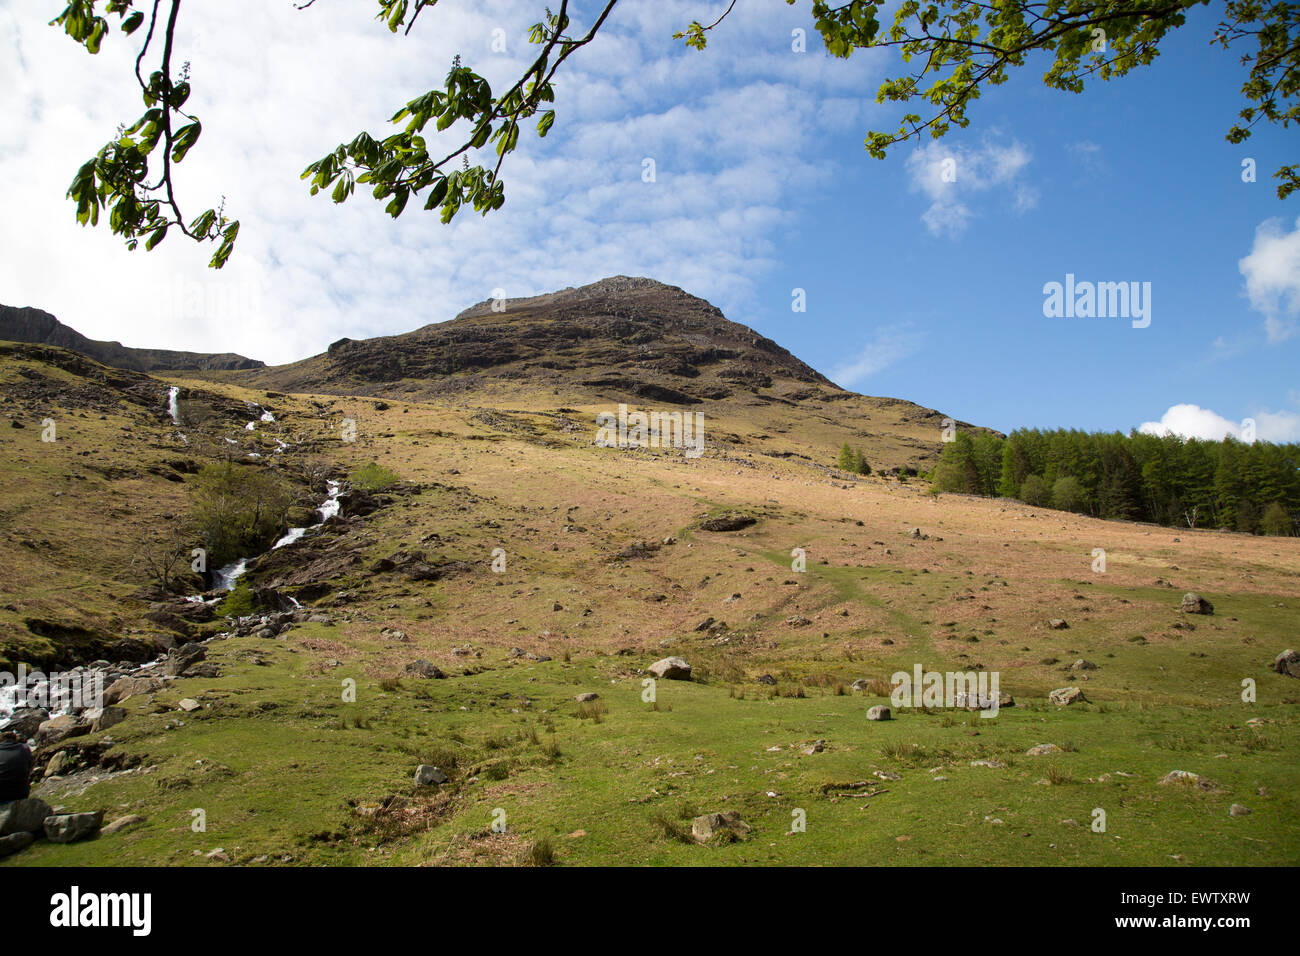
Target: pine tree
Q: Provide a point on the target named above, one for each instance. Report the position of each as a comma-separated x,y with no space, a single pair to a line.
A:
848,459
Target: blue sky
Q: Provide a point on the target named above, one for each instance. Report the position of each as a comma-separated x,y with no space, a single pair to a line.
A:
916,288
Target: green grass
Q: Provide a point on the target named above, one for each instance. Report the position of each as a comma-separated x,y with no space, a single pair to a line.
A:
279,764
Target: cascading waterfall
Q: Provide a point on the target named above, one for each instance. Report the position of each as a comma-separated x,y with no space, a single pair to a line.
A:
228,576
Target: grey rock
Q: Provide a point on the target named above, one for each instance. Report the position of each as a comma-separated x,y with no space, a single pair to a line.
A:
879,712
726,825
125,687
121,823
671,668
426,775
15,842
1064,696
25,721
105,718
1193,603
23,816
423,668
1042,749
69,827
60,728
1288,662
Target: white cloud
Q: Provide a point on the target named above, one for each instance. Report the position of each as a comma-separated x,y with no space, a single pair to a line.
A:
889,345
1192,421
1272,272
950,176
735,132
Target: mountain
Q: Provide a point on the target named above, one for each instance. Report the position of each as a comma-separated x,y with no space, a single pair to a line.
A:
491,588
621,339
37,327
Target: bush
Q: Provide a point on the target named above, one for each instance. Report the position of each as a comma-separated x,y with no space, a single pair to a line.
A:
1276,521
374,477
1033,491
239,602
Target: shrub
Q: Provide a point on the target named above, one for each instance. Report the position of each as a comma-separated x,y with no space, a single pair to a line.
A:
374,477
1033,491
239,602
1276,521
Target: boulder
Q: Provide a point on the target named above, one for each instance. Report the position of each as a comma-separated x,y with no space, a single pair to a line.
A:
1042,750
14,842
1058,624
121,823
60,762
671,668
1288,662
426,776
188,704
1064,696
272,600
1193,603
587,697
1237,810
423,668
25,721
731,521
23,816
879,712
1082,665
69,827
60,728
726,825
125,687
104,718
181,659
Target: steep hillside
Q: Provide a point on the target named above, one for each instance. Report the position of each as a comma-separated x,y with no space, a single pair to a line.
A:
35,326
494,602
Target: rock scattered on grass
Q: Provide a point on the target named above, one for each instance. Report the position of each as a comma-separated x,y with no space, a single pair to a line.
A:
671,668
1288,662
69,827
1064,696
427,776
726,825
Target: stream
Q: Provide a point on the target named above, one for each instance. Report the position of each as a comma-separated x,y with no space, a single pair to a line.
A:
227,577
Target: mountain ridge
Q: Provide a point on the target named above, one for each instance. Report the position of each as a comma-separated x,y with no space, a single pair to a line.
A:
37,327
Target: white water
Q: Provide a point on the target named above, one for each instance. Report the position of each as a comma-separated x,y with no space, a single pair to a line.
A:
227,576
173,404
230,574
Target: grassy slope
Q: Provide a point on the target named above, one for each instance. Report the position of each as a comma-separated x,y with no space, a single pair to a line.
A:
280,764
